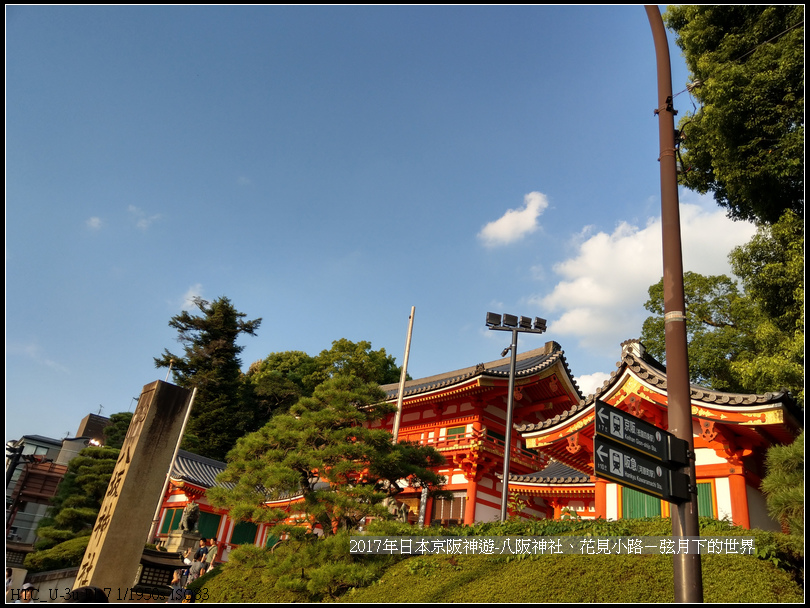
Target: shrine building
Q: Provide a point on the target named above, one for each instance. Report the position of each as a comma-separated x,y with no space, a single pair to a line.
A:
463,415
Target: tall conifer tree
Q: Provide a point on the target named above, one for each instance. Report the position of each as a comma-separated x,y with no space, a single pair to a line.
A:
222,411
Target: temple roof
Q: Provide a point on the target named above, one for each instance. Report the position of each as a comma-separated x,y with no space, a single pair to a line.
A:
528,363
197,470
202,472
650,371
556,473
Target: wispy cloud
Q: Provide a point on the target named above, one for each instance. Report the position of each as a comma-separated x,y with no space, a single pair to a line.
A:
600,299
142,221
243,181
32,351
515,223
188,298
93,223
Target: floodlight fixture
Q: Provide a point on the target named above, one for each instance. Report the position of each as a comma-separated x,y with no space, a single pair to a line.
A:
539,324
510,320
525,322
493,319
505,350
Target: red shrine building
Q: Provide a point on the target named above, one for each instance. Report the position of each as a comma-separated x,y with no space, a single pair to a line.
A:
463,415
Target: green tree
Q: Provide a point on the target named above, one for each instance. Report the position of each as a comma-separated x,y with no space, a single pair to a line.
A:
357,359
750,340
771,268
223,409
719,324
78,499
745,143
324,449
116,432
784,484
280,380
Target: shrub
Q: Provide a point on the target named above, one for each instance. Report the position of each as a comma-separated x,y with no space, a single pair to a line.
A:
64,555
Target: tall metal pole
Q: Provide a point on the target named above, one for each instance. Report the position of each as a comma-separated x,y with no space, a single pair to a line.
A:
510,401
403,375
686,569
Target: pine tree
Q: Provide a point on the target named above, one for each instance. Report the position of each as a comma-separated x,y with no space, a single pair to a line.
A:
324,450
78,499
784,485
223,408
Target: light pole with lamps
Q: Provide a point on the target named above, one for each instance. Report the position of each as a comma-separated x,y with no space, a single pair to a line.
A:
515,325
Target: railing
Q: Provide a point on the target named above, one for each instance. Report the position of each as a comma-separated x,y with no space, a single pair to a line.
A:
466,440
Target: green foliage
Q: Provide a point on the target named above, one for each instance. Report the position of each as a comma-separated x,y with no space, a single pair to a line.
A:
324,450
67,554
745,143
116,431
305,570
719,324
771,268
347,358
309,570
784,485
78,499
224,409
749,342
515,505
281,379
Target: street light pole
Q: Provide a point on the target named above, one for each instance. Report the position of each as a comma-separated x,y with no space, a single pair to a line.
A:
686,567
515,325
510,403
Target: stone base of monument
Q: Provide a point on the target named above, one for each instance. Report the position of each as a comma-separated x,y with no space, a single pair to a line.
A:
178,541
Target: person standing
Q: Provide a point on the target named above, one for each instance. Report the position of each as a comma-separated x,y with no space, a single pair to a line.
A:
195,570
201,552
211,556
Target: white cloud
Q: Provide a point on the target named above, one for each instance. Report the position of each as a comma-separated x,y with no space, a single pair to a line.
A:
515,223
588,383
94,223
600,299
142,221
243,181
188,298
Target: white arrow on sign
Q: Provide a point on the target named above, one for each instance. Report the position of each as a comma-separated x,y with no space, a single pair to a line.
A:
602,415
602,455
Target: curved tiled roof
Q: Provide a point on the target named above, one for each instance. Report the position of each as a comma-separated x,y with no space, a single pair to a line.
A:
202,472
198,470
647,368
527,364
556,473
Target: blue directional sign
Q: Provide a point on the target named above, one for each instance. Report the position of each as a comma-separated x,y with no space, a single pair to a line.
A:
632,432
628,467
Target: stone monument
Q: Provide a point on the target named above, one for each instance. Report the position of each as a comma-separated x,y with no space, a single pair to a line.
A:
118,537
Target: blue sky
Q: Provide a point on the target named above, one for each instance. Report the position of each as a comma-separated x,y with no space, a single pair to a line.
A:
327,168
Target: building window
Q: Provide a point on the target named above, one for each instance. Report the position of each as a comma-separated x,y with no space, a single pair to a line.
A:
456,432
171,521
636,504
448,512
208,525
705,499
244,533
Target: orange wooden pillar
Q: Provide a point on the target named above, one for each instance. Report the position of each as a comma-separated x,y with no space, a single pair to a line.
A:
469,508
739,498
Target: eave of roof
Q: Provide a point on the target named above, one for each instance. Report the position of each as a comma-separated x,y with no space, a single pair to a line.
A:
648,369
527,364
555,473
197,470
